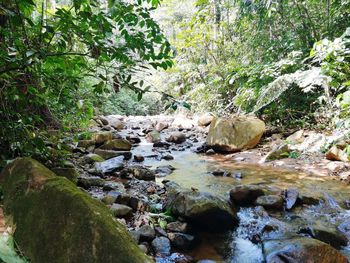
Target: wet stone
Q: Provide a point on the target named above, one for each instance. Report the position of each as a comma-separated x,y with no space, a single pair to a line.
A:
180,240
88,182
177,226
290,197
161,246
147,233
119,210
139,158
245,195
273,202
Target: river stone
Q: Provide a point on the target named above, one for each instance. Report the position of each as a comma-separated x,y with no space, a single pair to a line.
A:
117,145
177,226
164,170
153,137
273,202
205,119
68,221
70,173
337,154
245,195
108,154
297,250
328,235
278,152
177,137
91,158
344,227
111,165
115,121
139,172
147,233
119,210
86,143
103,119
290,197
139,158
87,182
102,137
161,126
161,246
202,209
181,241
235,133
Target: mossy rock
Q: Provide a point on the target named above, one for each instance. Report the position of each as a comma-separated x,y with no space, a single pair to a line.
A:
57,222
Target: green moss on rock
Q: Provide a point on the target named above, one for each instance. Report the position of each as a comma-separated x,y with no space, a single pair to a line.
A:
57,222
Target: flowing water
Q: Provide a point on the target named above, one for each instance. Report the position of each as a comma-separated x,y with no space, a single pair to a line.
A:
195,170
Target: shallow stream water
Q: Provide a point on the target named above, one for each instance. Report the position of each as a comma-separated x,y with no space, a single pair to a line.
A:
195,170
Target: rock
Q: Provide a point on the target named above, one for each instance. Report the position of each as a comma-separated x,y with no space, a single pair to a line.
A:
290,197
327,235
337,154
115,121
235,133
161,144
104,120
210,152
68,221
119,210
301,250
176,258
344,227
133,139
115,186
111,165
278,152
117,145
135,235
102,137
182,122
144,248
161,246
273,202
139,158
296,138
70,173
181,241
91,158
168,157
108,154
161,126
86,143
202,209
164,170
139,172
205,119
153,137
177,137
177,226
88,182
147,233
221,173
110,199
245,195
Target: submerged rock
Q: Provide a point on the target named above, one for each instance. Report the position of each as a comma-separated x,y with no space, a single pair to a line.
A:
72,226
139,172
202,209
301,250
235,133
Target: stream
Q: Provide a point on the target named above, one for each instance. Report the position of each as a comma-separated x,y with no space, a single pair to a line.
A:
196,170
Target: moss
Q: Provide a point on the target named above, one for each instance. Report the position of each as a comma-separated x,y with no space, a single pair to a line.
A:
57,222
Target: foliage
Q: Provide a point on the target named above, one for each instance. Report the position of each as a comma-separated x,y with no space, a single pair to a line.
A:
59,58
254,56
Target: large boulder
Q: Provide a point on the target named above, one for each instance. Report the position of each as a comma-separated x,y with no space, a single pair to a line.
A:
117,145
235,133
302,250
202,209
57,222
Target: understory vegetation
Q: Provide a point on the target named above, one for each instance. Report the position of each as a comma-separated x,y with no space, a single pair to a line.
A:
286,61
